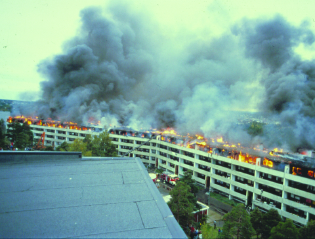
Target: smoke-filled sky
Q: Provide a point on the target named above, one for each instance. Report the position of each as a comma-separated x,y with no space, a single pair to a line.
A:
186,64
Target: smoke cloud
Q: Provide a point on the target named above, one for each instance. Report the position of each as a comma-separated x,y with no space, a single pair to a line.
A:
289,83
120,69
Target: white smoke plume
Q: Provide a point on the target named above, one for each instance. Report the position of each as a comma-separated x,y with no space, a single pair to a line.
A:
120,69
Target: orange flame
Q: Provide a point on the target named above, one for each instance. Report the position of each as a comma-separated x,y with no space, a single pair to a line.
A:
199,136
241,157
169,131
220,140
278,150
9,120
202,143
268,163
310,173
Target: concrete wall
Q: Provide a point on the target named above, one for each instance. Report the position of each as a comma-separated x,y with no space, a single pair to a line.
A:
25,156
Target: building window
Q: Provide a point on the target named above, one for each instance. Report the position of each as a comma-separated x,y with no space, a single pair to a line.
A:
163,146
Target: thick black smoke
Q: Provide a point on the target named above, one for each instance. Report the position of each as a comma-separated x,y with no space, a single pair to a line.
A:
122,70
289,83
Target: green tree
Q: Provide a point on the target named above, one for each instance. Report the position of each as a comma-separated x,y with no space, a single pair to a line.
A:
63,147
2,126
181,206
22,140
256,219
20,134
48,148
202,220
80,146
270,220
158,171
208,232
101,145
237,223
255,128
4,142
284,230
308,231
88,140
5,106
187,178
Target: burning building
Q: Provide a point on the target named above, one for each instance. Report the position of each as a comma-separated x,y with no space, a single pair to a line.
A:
258,178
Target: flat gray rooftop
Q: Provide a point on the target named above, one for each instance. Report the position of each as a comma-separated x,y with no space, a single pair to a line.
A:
89,197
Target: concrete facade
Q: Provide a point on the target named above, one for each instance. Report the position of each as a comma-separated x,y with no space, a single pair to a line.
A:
253,184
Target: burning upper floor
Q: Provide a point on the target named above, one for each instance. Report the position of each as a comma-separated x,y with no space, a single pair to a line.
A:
276,159
302,163
54,123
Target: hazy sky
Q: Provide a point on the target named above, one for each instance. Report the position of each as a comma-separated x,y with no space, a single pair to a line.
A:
32,30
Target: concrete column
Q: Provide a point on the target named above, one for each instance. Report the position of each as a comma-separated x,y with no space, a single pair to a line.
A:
284,194
212,170
213,160
254,197
211,180
307,216
230,197
283,207
196,165
180,171
197,155
285,182
256,185
258,162
286,169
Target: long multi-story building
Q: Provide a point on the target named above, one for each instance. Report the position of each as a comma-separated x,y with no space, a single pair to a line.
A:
262,181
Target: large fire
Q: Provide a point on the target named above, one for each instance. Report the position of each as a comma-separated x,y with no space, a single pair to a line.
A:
198,141
220,140
48,122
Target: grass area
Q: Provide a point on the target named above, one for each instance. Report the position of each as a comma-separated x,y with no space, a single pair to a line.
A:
208,231
223,199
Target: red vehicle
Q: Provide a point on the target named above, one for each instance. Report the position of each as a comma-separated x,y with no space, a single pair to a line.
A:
172,179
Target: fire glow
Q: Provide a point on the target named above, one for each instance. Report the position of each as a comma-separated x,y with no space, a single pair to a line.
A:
220,140
217,146
49,123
